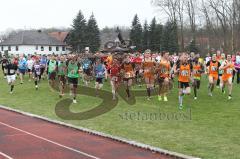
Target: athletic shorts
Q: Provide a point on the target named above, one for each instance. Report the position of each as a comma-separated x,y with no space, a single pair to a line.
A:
127,79
22,71
11,78
108,71
227,79
42,70
62,79
99,80
183,84
37,75
215,77
115,79
87,72
29,70
161,80
73,81
52,76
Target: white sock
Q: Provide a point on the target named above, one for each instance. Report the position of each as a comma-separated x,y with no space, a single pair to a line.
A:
180,99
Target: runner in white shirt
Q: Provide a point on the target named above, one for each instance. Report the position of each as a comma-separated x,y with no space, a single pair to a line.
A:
30,63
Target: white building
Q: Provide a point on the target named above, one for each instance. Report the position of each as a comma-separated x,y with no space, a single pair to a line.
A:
33,42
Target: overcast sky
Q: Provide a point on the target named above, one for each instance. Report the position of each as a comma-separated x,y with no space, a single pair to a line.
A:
19,14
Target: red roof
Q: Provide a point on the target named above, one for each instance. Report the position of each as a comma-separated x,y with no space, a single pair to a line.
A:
61,36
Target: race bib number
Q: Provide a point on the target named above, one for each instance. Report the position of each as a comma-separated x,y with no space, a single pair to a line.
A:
184,73
163,70
115,79
38,72
196,72
214,68
99,74
128,75
12,71
4,64
229,71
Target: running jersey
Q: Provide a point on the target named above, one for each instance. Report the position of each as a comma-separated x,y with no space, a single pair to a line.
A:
114,70
72,70
228,71
22,64
4,62
15,61
128,70
184,72
37,68
197,69
52,65
109,60
164,69
213,67
99,71
148,68
86,63
137,60
30,64
61,68
11,69
43,62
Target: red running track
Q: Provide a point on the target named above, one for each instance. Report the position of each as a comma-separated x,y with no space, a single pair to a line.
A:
24,137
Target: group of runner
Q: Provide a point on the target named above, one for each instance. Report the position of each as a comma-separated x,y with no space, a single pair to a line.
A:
139,68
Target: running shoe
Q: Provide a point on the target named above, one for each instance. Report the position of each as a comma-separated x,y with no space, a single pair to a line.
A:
159,98
165,99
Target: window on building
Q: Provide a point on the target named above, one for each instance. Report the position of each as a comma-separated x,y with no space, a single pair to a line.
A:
16,48
9,48
63,48
42,48
57,48
36,47
2,48
50,48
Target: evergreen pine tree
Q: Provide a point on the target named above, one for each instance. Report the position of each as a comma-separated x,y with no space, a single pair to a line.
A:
173,39
136,33
77,34
170,37
158,41
145,36
93,34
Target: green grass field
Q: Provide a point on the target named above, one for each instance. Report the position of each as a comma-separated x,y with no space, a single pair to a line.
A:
213,131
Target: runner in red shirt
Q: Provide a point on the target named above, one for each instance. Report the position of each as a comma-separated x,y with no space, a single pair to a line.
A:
115,69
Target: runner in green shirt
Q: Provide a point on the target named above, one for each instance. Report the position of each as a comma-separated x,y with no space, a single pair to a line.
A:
52,68
62,72
73,70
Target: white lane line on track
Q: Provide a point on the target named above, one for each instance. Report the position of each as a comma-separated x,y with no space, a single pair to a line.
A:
5,155
50,141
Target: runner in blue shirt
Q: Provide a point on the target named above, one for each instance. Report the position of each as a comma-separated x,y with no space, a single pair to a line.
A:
86,66
43,63
99,71
22,67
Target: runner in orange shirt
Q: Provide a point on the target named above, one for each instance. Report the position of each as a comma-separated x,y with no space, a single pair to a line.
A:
228,68
212,70
128,74
163,71
198,69
148,67
184,70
